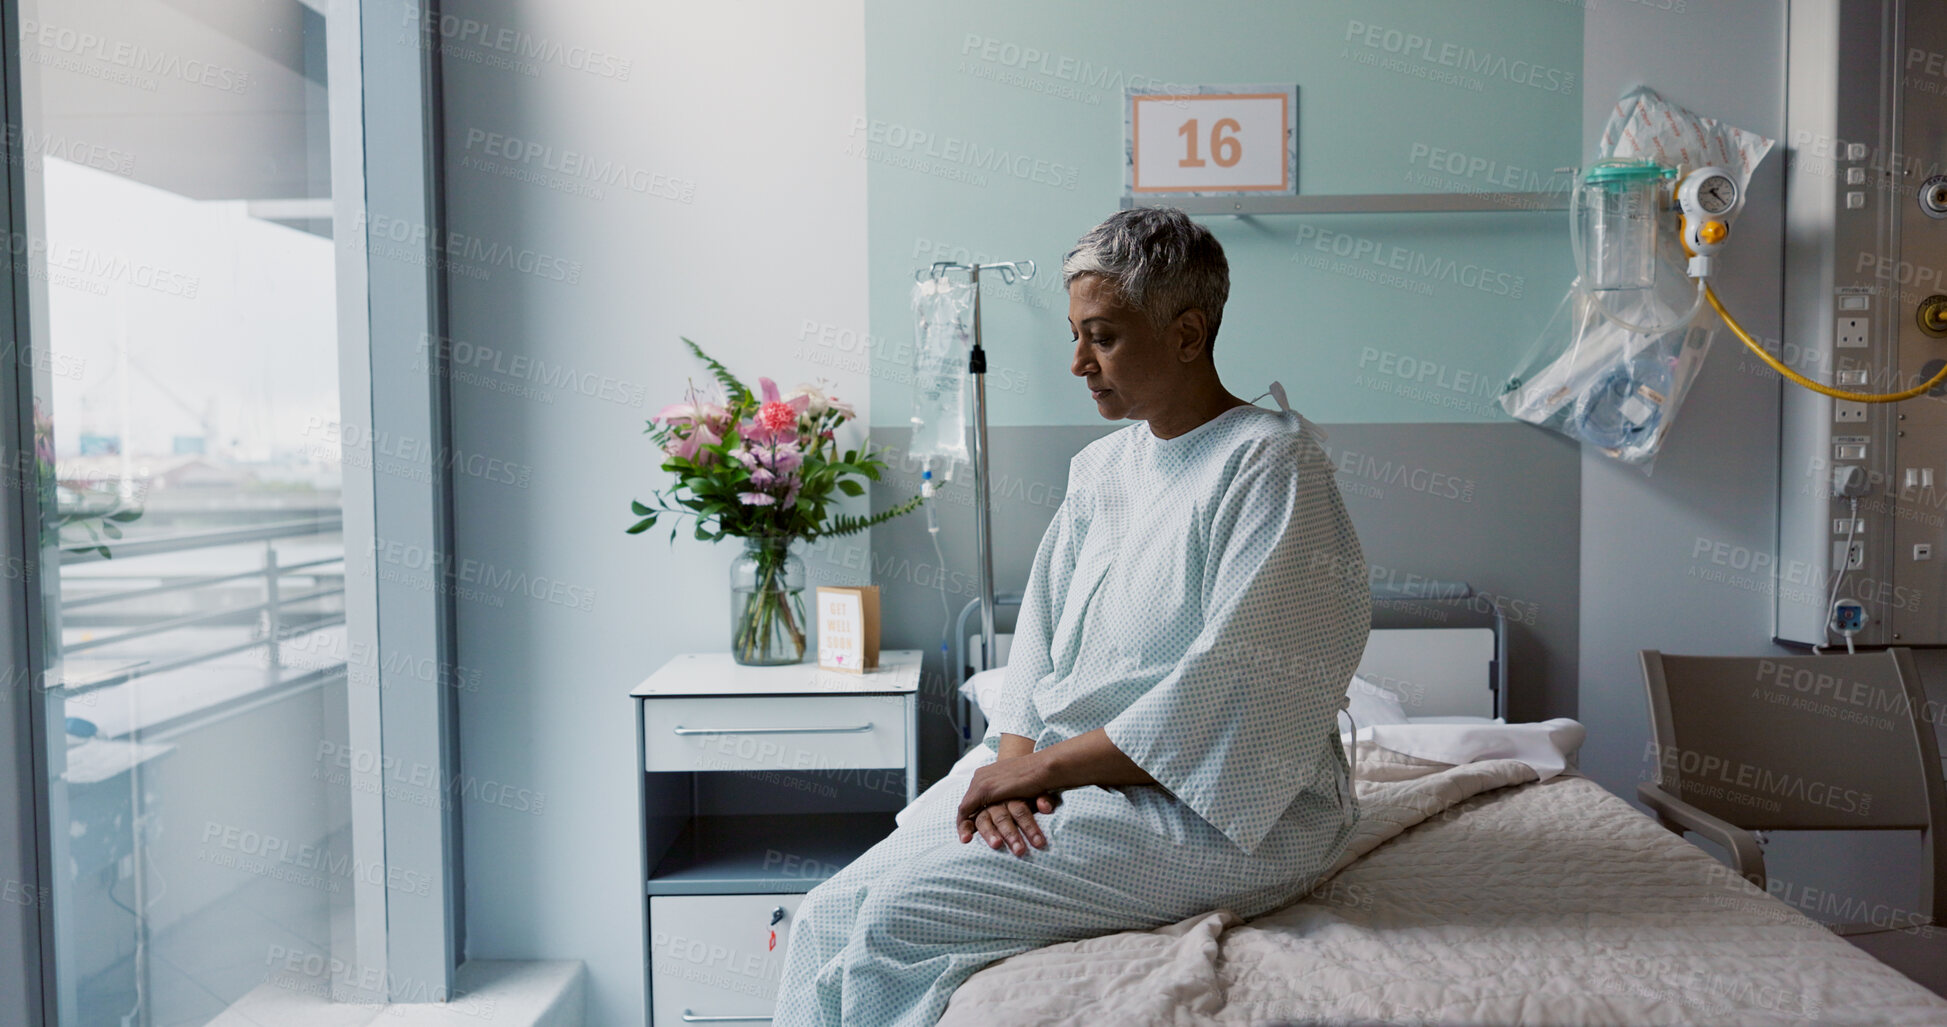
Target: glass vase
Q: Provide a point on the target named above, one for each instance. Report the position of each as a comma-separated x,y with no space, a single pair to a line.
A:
767,615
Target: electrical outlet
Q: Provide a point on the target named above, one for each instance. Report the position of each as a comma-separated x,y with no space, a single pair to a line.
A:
1851,333
1923,550
1851,558
1848,412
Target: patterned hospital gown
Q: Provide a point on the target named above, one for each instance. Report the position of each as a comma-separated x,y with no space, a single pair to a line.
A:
1204,598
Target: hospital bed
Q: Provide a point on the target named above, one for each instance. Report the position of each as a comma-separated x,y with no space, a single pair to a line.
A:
1452,669
1448,670
1472,893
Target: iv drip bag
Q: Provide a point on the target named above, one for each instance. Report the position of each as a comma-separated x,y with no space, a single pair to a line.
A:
943,338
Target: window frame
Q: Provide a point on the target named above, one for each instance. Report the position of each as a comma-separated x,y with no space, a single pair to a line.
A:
385,160
27,979
396,381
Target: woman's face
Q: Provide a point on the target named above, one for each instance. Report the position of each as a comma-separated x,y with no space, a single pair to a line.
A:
1132,369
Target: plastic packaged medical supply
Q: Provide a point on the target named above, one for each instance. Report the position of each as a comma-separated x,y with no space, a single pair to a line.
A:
1613,364
1645,126
1612,388
943,337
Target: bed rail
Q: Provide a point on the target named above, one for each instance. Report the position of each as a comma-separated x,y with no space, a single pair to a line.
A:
958,672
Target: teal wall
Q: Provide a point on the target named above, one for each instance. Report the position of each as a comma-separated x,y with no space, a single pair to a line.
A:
1365,318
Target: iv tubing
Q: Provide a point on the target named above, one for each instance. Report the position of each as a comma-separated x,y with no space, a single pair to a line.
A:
1683,319
1795,377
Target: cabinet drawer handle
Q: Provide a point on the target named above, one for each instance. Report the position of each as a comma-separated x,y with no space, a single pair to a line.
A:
689,1017
681,730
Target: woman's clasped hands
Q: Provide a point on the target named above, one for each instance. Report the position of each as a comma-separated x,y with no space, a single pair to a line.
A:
1001,802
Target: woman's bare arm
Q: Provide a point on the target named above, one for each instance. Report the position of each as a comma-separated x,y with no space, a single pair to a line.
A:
1089,759
1015,745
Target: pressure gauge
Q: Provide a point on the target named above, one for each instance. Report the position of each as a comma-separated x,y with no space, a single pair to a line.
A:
1716,194
1709,199
1708,193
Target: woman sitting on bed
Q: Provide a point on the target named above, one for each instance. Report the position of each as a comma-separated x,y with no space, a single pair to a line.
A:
1167,740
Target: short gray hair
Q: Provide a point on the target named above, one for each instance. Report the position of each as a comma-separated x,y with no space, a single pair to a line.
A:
1157,260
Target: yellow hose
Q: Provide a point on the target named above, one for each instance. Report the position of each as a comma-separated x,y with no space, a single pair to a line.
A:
1794,376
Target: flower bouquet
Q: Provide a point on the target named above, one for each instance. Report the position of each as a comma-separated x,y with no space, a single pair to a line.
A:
70,508
761,466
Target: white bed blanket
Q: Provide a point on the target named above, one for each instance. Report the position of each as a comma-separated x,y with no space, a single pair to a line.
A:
1547,747
1466,901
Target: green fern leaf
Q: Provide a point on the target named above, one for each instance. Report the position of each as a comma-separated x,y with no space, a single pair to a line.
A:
736,391
846,524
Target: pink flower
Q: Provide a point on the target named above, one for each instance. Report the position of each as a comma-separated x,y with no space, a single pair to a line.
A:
694,424
43,435
694,412
709,415
778,417
774,456
756,498
689,445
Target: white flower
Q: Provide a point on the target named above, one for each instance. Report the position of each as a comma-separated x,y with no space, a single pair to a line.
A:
819,400
818,396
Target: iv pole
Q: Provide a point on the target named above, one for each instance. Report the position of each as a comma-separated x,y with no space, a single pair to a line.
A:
1010,271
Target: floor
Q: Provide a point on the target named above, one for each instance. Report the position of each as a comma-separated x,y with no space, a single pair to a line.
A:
212,970
201,966
1922,957
487,993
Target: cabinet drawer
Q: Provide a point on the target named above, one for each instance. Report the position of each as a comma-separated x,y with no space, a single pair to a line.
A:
779,733
708,957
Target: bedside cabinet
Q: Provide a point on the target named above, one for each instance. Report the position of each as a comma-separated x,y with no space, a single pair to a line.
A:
754,785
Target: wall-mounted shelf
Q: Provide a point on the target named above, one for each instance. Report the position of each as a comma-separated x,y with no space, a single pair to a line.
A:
1369,203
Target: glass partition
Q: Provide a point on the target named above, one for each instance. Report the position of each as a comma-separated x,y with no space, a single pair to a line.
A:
183,289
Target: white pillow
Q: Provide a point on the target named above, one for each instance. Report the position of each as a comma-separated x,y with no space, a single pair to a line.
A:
1372,704
984,687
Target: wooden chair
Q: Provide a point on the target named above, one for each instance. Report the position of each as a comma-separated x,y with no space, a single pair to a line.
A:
1802,743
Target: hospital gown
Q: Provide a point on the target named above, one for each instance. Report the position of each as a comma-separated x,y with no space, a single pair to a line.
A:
1204,599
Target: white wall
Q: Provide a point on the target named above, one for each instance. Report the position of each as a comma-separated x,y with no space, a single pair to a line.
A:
1717,478
749,111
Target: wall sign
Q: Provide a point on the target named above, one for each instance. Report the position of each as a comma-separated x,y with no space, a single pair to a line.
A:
1218,140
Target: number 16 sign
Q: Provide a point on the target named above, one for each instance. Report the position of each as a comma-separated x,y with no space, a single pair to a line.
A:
1219,139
